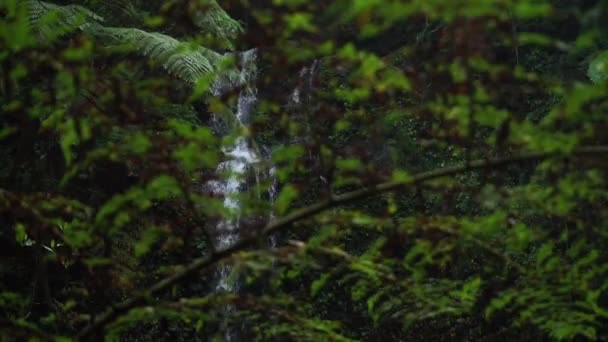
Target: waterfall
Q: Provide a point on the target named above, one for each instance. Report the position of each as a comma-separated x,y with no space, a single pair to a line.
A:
240,157
305,84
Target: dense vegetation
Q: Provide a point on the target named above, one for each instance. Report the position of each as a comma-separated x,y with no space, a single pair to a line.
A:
424,170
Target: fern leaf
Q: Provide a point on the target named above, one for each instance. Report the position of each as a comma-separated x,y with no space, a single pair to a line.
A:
187,62
211,18
117,12
49,20
181,60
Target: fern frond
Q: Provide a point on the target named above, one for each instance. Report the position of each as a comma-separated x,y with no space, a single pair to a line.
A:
49,20
117,12
211,18
184,61
181,60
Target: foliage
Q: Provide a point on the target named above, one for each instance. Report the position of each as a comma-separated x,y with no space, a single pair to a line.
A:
423,170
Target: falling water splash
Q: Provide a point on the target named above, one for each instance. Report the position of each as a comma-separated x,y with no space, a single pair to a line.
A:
305,85
240,157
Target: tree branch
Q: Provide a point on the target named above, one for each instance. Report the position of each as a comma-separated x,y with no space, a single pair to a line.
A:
197,264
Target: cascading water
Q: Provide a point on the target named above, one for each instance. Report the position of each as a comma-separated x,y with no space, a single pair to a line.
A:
240,157
301,96
305,86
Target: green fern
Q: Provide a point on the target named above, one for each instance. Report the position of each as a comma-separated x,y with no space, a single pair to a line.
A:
179,59
184,61
211,18
48,20
562,294
117,12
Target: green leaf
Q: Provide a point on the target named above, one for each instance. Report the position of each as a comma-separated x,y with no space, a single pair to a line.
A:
350,164
543,254
499,303
147,240
318,284
531,9
470,291
20,233
287,195
287,153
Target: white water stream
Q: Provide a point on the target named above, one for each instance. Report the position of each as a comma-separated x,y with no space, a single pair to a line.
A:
240,157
